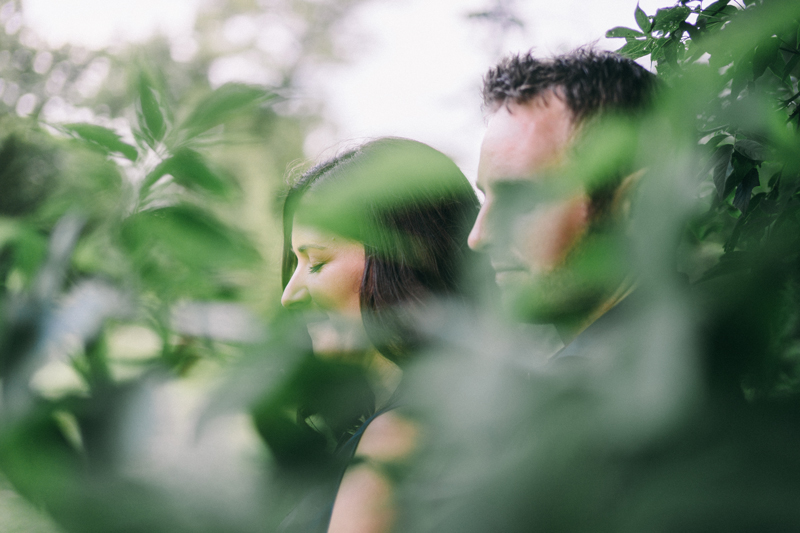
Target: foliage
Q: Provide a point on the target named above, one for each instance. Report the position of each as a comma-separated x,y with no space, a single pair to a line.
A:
679,410
134,272
736,69
136,259
133,232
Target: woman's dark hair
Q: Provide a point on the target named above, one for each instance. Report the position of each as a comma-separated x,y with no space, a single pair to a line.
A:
412,208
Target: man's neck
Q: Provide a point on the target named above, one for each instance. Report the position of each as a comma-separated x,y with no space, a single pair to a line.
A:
568,330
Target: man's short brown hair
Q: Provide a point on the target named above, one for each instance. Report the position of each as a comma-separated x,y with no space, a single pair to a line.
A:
589,82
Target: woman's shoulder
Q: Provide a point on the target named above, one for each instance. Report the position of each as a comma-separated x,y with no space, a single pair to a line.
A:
364,501
389,437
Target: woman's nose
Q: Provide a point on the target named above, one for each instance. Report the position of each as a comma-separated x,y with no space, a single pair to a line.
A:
296,294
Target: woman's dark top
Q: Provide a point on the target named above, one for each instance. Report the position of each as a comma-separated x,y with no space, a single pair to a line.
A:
313,513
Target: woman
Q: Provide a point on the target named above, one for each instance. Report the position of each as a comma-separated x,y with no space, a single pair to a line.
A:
370,237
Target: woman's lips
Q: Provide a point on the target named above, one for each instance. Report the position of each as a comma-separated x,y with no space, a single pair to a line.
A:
499,268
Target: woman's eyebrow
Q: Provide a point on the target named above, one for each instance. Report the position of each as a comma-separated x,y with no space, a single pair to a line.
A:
302,249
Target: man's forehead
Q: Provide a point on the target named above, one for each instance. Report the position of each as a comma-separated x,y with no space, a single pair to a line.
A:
523,139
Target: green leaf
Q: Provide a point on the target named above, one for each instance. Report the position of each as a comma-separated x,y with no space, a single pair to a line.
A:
722,169
670,50
24,244
731,262
667,20
654,47
742,75
765,55
641,19
713,18
682,51
694,51
728,10
154,175
690,29
150,112
715,140
752,149
621,31
189,235
101,137
713,10
788,69
222,104
634,49
774,179
741,199
190,170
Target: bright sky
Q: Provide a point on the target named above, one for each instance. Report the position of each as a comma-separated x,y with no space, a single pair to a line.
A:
99,23
418,74
415,65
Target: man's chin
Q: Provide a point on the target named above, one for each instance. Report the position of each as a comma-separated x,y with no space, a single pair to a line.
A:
543,300
518,292
573,291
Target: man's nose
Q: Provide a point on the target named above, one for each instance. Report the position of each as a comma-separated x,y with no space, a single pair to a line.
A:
296,294
478,238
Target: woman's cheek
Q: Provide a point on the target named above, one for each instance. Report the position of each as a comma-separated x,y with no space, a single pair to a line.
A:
337,290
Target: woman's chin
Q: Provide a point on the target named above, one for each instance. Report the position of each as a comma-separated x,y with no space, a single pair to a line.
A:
338,337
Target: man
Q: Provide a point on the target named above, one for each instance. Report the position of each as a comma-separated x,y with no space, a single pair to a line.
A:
644,435
535,224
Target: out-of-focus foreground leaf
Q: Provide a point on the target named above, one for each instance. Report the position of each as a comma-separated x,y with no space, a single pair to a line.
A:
221,104
103,138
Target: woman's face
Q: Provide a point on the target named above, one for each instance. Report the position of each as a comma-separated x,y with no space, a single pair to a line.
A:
328,274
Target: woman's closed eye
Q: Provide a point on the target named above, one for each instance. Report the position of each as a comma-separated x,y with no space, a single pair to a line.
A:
316,267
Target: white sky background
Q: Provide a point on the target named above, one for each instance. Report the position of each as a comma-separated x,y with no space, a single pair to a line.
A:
415,65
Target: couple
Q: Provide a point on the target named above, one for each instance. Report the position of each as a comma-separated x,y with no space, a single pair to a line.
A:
373,234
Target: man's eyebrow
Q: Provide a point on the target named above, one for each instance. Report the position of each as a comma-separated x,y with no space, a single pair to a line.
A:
302,249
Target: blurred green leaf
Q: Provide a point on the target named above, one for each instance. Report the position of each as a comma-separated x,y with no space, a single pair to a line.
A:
189,234
765,55
742,74
22,516
29,168
722,169
791,64
741,199
189,169
103,138
222,103
752,149
28,247
150,112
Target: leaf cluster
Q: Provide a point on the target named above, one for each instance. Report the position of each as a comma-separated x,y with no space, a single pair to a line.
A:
107,236
732,70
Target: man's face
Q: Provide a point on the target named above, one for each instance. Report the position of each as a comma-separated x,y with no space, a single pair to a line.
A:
528,234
